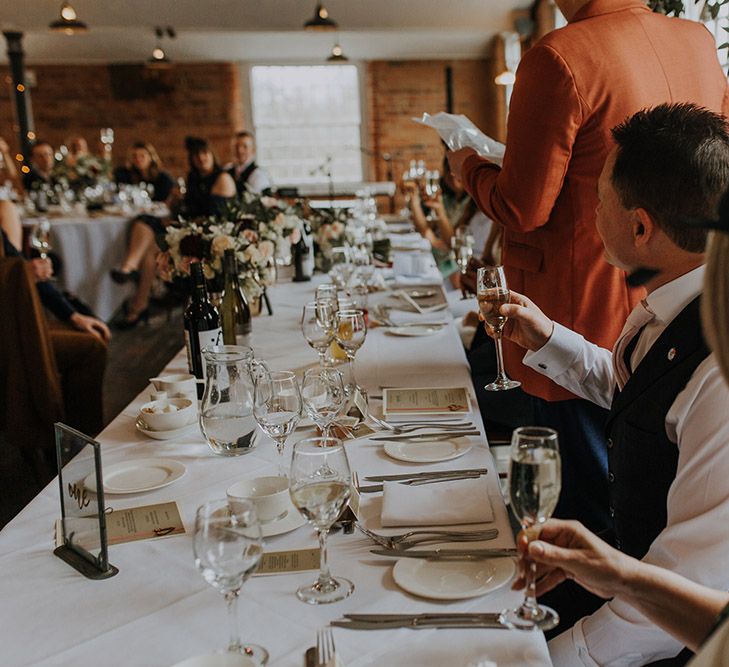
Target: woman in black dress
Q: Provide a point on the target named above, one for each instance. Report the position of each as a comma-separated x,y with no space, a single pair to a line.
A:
144,166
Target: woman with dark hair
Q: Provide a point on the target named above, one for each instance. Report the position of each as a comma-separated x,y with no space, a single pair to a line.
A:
209,189
144,166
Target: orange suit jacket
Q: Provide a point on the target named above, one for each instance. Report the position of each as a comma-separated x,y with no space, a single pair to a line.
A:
614,58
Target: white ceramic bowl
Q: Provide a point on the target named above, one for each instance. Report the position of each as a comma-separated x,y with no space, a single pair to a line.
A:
270,495
167,421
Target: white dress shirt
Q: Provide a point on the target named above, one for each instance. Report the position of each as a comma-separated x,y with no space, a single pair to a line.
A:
259,179
695,541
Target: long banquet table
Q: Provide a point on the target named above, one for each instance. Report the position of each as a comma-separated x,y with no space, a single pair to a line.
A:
158,610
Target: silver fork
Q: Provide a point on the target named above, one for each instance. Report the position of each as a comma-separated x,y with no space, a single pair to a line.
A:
404,541
325,650
409,427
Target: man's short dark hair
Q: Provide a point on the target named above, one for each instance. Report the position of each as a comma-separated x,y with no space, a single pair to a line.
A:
673,161
243,134
40,142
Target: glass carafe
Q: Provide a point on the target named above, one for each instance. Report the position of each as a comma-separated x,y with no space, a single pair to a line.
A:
226,415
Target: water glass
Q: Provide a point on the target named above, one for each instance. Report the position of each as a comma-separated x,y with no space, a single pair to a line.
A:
323,395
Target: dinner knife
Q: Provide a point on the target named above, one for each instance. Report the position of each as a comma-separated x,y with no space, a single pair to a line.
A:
419,621
423,475
425,436
449,554
431,616
377,488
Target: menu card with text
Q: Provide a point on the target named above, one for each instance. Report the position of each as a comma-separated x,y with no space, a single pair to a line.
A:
425,401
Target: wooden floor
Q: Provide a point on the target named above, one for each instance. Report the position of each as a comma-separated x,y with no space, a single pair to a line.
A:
134,356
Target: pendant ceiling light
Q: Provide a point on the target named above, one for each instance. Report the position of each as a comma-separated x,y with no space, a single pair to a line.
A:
506,78
320,20
159,59
67,22
337,55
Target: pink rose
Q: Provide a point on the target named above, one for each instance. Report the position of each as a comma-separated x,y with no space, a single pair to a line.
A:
250,235
266,248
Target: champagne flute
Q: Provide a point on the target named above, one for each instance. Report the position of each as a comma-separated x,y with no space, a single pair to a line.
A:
350,330
492,293
432,188
227,546
534,483
462,245
277,409
322,392
317,325
319,484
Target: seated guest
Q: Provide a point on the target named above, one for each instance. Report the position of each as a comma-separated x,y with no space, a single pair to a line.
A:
8,171
244,170
209,189
667,429
78,148
451,208
42,161
144,166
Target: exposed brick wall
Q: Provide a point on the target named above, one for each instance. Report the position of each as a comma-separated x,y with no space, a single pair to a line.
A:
202,99
205,99
400,90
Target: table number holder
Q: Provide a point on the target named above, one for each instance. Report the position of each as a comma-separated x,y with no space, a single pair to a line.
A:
83,515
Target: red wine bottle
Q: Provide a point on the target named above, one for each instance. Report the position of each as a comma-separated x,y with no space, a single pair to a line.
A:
202,325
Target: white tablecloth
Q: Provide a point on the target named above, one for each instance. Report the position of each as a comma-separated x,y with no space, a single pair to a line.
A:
158,610
89,248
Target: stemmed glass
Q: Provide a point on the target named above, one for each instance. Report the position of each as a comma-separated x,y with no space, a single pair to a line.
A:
277,409
40,238
462,245
432,188
319,484
227,546
492,293
534,482
350,331
317,325
322,392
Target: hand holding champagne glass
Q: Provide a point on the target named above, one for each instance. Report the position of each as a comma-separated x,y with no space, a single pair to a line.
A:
319,484
534,485
492,293
227,546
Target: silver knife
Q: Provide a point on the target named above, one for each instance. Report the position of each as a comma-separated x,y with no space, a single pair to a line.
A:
422,475
466,616
377,488
420,621
449,554
425,436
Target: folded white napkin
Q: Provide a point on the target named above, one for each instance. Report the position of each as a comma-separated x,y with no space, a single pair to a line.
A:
440,504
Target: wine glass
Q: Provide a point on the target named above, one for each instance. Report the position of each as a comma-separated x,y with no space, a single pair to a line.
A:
462,245
534,483
432,188
40,238
492,293
322,393
227,546
350,331
277,409
319,484
317,325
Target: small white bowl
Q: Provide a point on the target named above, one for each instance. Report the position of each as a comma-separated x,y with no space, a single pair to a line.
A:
167,421
270,495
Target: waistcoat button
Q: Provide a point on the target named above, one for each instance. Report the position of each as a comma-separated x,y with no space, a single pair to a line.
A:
611,477
610,443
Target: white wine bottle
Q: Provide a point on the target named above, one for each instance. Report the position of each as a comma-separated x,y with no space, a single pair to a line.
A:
235,313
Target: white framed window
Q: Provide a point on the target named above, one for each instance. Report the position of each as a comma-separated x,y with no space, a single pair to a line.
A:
307,122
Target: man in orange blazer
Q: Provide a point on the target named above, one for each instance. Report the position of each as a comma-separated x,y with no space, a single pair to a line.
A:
613,58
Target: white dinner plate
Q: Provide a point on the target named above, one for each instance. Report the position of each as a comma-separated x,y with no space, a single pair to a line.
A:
217,660
452,580
138,475
291,521
427,452
166,435
419,330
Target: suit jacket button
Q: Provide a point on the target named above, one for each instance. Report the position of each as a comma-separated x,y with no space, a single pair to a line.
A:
609,443
611,477
612,512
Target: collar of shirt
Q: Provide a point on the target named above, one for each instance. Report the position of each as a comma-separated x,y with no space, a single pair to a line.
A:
600,7
665,303
240,168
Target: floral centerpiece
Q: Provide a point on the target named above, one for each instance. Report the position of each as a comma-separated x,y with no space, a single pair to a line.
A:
85,171
259,229
328,226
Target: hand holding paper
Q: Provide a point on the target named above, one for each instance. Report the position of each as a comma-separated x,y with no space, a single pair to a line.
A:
457,131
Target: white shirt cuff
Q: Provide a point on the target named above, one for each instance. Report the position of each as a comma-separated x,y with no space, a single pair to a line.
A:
570,650
559,353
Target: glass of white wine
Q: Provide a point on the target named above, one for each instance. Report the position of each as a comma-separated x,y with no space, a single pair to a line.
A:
319,484
350,331
492,293
534,485
228,547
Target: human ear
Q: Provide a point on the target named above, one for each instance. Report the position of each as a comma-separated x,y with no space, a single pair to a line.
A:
643,226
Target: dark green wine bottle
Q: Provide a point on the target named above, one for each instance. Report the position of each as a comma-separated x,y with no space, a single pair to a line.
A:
235,313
